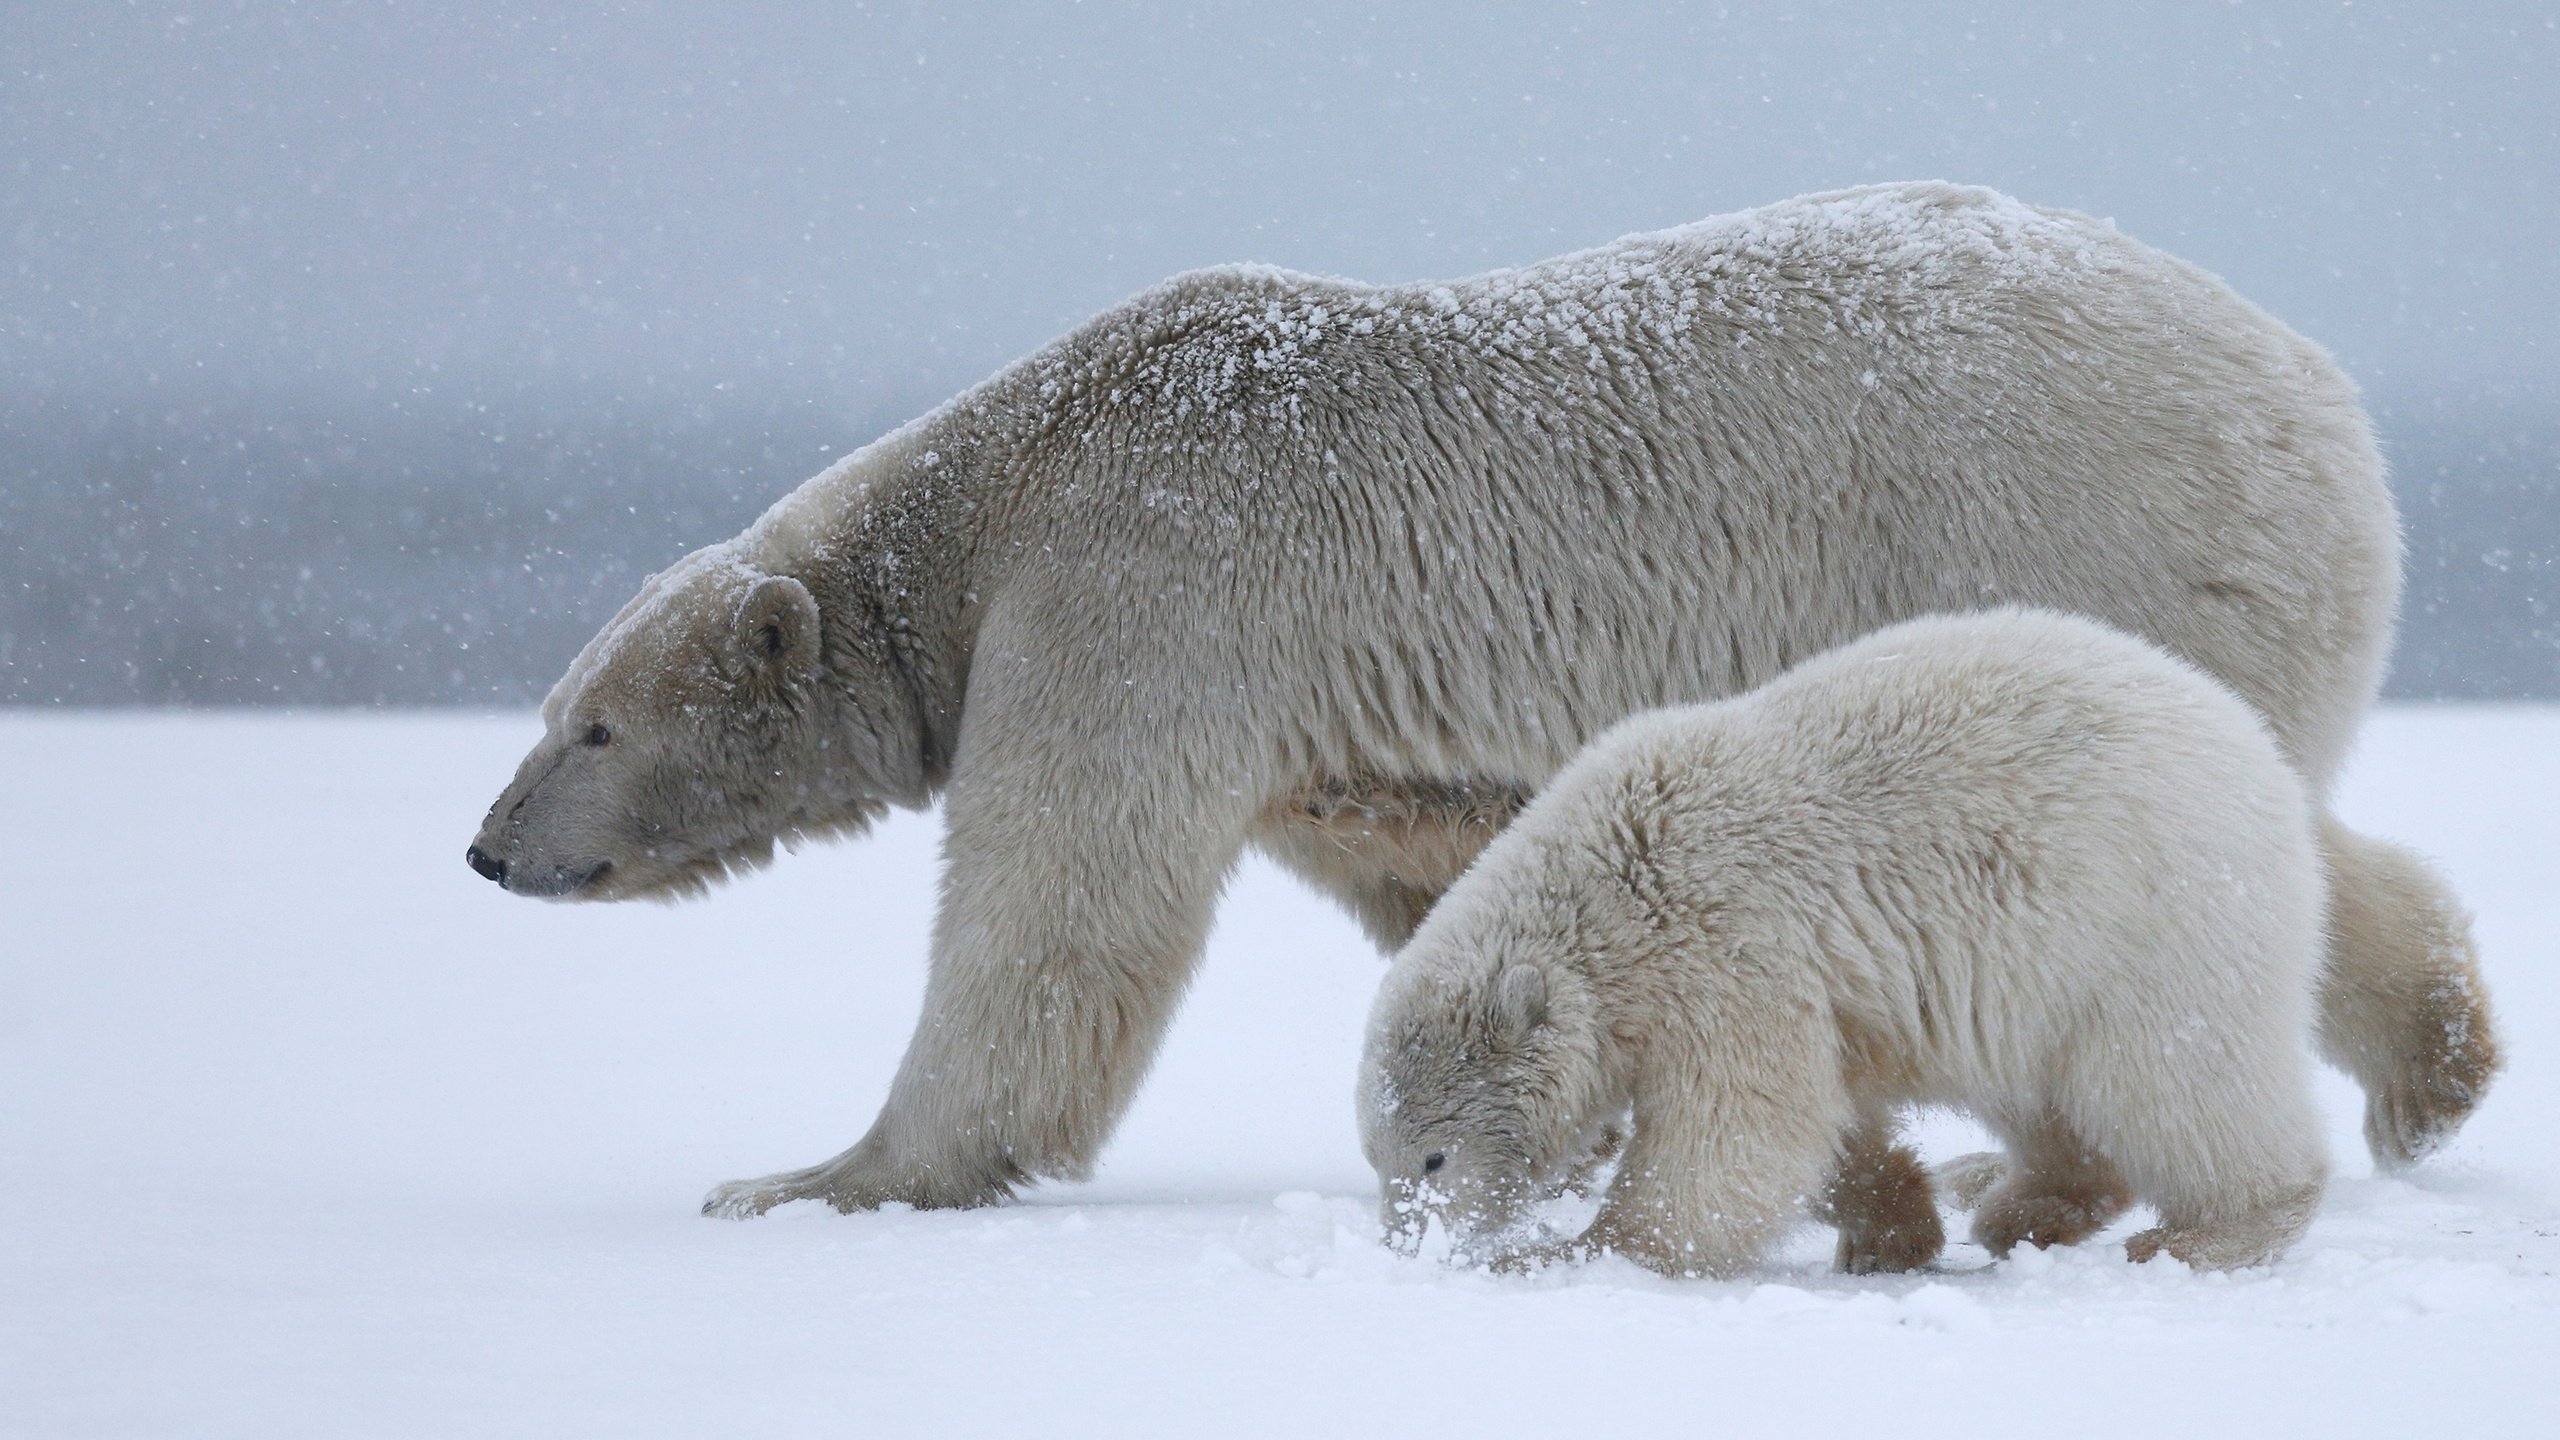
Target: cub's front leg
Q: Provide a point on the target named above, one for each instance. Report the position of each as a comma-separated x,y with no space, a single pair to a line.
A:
1737,1123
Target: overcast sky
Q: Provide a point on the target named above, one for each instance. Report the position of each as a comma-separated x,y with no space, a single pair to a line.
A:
881,203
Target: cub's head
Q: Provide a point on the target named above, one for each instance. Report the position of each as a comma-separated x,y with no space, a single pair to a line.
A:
1479,1090
718,713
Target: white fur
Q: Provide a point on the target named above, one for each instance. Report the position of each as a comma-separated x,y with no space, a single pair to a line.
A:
1348,571
2015,863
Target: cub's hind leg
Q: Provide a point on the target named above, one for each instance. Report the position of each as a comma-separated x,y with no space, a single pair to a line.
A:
2226,1146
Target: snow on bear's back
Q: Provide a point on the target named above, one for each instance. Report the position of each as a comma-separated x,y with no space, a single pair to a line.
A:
1857,257
1225,348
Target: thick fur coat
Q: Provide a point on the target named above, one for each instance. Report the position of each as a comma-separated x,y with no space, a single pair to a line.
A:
2014,863
1346,572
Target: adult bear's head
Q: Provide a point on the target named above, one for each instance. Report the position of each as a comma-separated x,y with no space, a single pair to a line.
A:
720,712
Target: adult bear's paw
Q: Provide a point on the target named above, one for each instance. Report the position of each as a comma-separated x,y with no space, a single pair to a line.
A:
747,1199
2448,1058
860,1179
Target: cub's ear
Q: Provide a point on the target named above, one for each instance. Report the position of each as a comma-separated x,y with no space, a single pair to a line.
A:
1520,1000
778,626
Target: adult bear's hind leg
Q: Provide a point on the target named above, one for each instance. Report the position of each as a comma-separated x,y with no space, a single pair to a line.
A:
2402,1006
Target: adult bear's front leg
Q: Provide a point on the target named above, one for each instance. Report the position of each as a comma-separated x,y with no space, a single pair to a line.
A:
1076,899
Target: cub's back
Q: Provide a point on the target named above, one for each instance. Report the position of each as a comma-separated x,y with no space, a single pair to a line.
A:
1999,824
1950,779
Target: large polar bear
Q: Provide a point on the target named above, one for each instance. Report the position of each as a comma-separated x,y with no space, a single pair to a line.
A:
2016,863
1345,572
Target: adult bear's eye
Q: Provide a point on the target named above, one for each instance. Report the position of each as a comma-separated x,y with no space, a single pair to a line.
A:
1432,1162
597,734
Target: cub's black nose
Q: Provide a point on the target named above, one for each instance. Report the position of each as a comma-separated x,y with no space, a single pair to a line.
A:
490,866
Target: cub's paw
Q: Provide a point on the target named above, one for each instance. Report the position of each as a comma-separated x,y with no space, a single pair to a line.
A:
2202,1249
1888,1216
2009,1217
1545,1255
1891,1246
1967,1178
2144,1246
2255,1236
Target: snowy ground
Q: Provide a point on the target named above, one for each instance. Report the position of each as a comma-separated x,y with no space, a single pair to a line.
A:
306,1130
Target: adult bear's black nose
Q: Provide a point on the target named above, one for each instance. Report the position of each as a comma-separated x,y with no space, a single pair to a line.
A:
487,864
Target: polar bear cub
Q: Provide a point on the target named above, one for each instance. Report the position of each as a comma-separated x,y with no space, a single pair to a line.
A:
2015,863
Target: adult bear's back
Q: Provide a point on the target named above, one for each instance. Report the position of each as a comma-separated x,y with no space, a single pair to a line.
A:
1492,515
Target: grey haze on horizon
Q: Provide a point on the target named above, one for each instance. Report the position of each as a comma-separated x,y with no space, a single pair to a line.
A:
368,352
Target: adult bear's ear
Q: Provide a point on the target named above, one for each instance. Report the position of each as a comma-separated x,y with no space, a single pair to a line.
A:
778,627
1520,1000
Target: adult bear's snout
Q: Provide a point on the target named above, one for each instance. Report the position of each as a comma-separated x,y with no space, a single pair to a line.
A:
489,866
